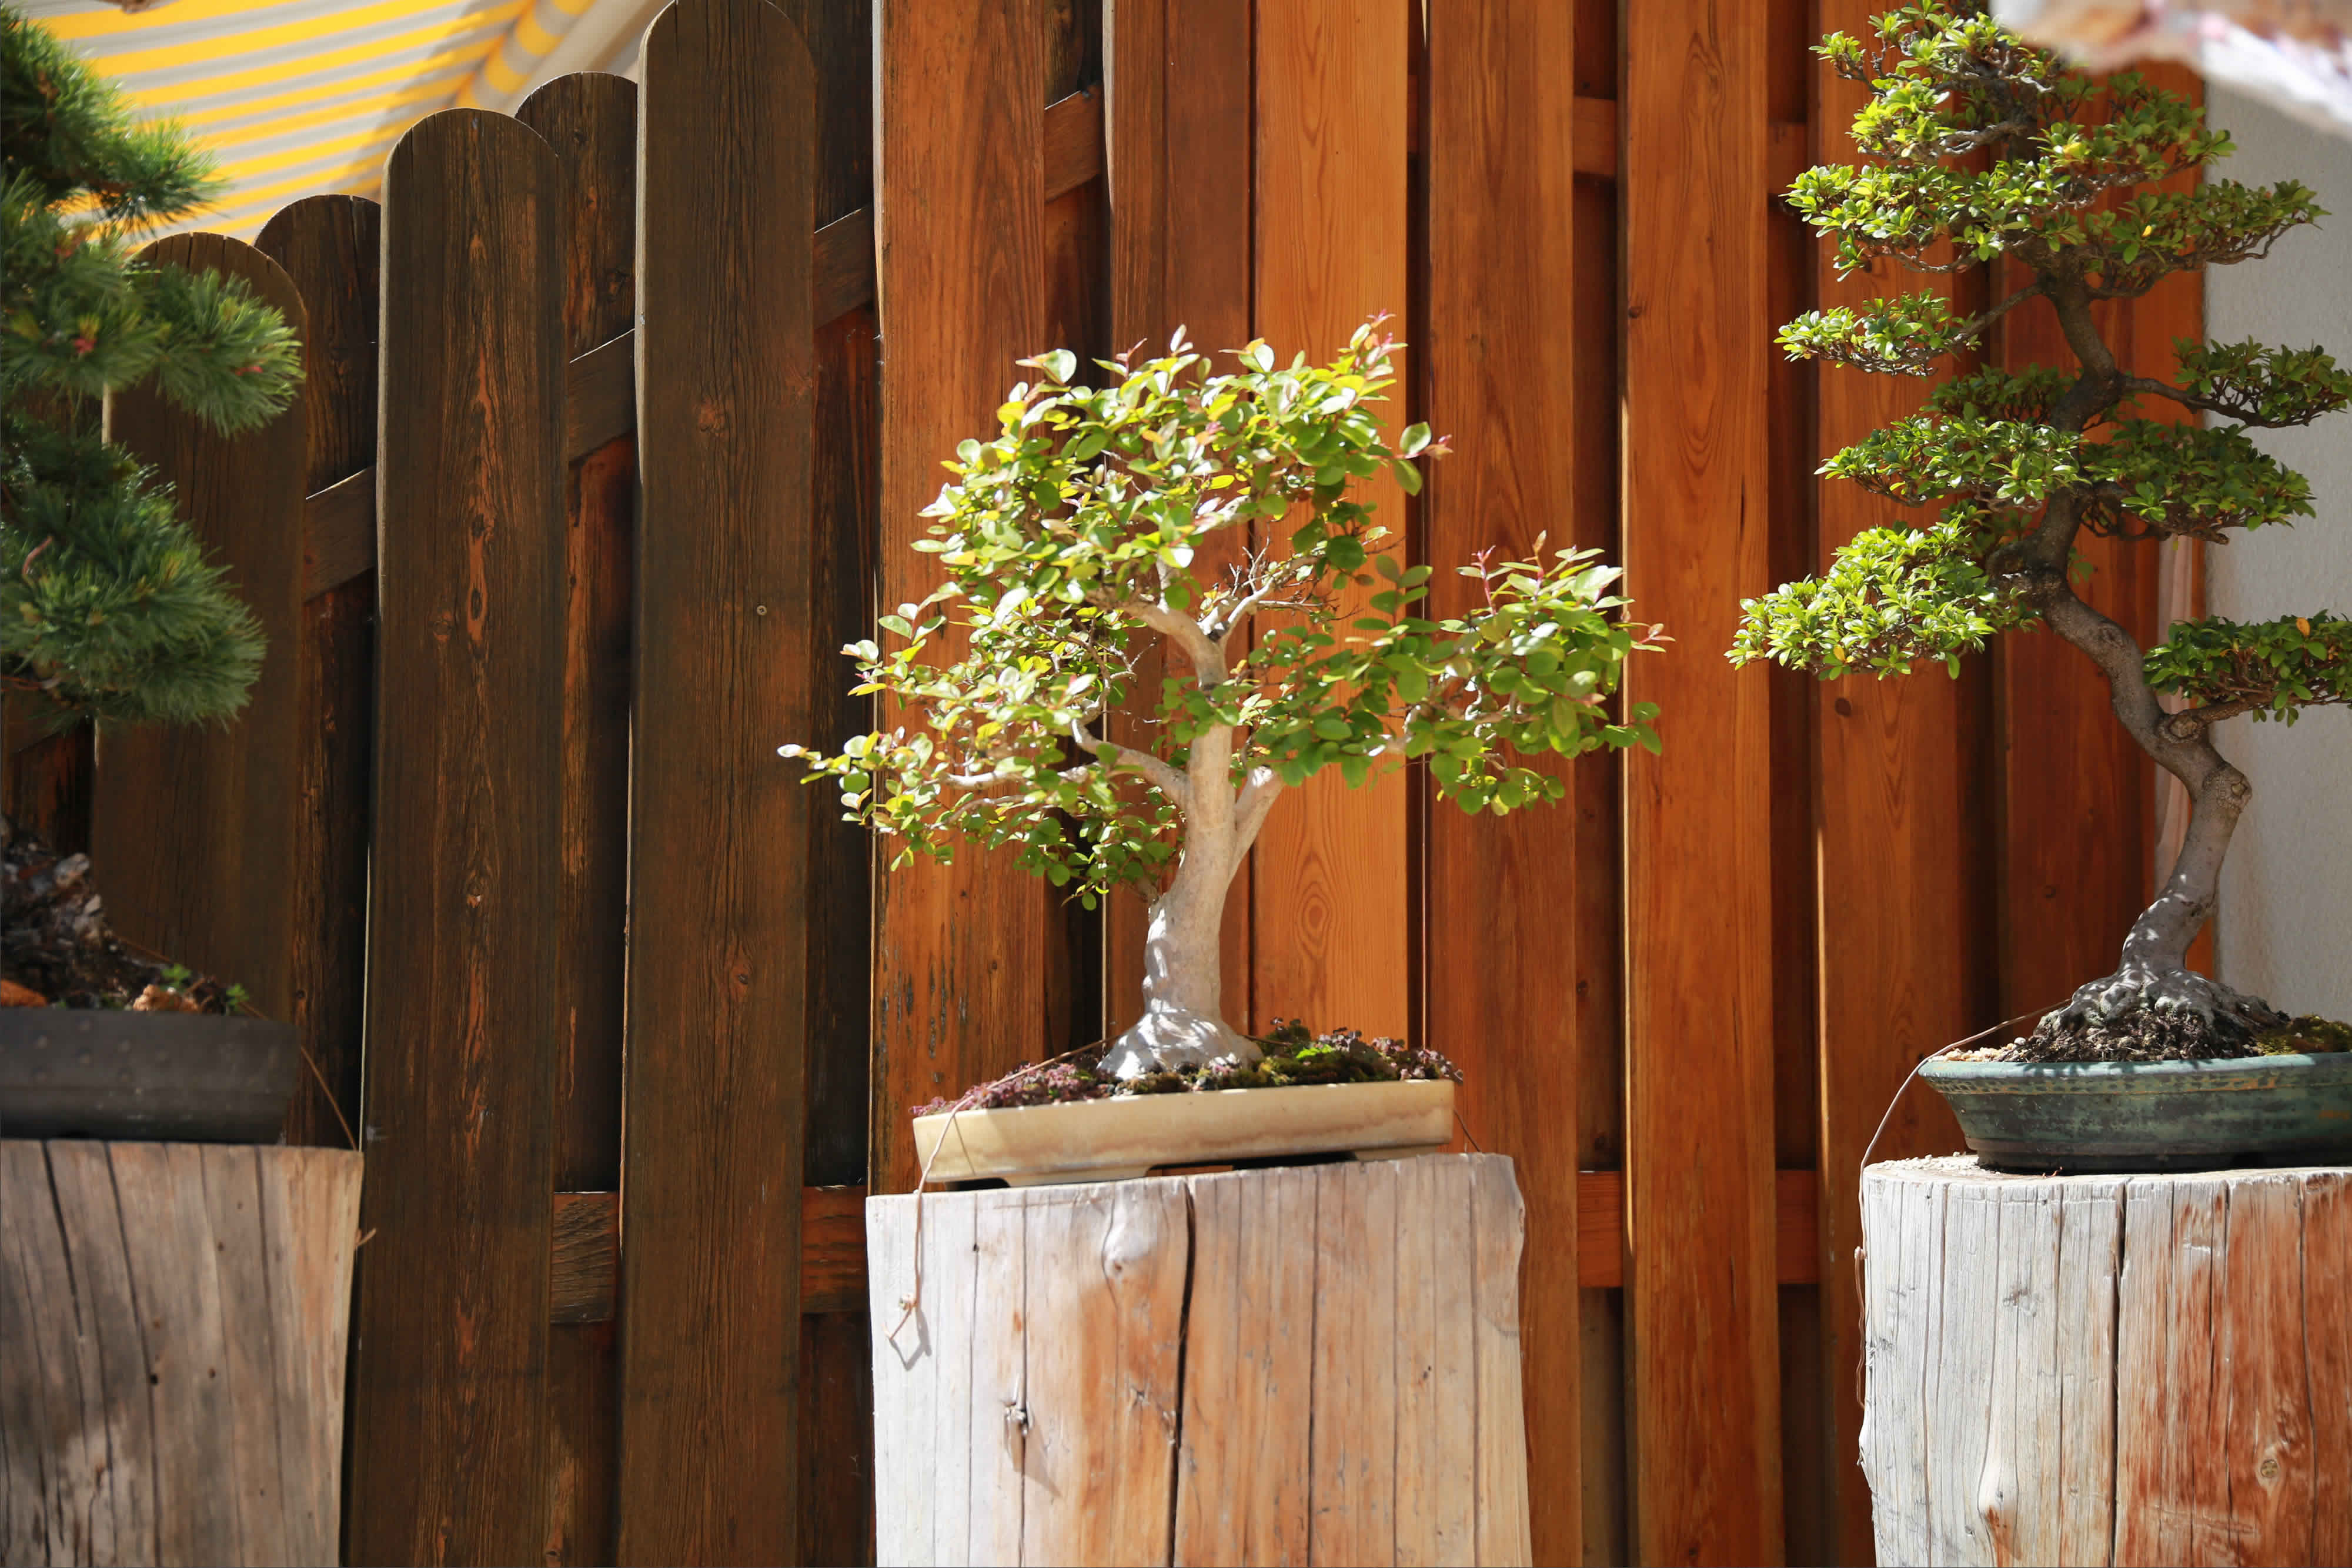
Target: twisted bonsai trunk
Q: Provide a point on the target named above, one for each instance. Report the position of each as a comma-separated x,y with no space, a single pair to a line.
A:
1183,1023
2154,972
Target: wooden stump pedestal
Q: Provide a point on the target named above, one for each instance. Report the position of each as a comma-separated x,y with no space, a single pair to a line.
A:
174,1319
1312,1363
2147,1369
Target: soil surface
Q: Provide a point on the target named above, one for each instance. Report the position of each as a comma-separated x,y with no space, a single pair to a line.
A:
1293,1055
57,949
2147,1035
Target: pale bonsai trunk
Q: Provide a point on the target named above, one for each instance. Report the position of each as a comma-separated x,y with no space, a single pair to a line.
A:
1183,1023
2154,972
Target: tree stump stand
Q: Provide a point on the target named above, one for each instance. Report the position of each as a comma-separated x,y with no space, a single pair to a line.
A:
2107,1369
173,1317
1312,1363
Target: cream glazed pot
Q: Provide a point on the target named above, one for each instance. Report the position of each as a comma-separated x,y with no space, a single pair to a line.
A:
1122,1137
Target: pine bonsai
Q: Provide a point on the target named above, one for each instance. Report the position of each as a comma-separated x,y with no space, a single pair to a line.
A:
1071,536
1982,146
107,607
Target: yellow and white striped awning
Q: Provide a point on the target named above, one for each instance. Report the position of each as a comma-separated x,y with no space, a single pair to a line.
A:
300,97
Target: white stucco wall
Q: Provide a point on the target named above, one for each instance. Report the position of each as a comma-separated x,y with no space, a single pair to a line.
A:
2285,929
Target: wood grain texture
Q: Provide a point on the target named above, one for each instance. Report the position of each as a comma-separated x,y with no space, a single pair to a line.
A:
600,403
1330,897
832,1249
1104,1271
837,1490
1501,893
176,1315
584,1247
1348,1362
2096,1369
464,976
1601,1238
1179,156
1074,141
1249,1373
48,780
330,246
1899,943
960,952
846,526
195,823
719,914
592,122
1699,1026
1352,1464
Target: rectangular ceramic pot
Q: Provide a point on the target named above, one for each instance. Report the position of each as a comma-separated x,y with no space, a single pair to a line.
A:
1110,1140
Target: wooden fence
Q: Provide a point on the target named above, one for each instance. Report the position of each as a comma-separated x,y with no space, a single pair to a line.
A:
619,416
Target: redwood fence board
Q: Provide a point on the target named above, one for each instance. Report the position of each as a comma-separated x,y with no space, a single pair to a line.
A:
1702,1367
195,823
1501,927
1330,897
1891,801
1178,156
960,951
718,889
465,985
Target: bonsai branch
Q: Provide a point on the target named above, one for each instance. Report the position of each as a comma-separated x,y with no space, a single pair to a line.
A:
1170,783
2190,723
2240,404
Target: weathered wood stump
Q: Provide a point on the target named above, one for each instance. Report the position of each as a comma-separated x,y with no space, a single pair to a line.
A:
174,1318
1315,1364
2107,1369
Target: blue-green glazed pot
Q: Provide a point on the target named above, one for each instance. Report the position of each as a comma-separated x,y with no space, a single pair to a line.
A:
2099,1116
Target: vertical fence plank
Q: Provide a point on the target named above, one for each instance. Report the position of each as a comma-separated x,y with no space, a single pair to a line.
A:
464,960
840,38
1502,892
194,824
1890,794
1699,1047
1330,902
718,857
960,952
591,120
1178,159
330,246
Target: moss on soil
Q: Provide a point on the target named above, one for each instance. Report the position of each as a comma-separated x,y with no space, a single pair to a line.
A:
2310,1035
1293,1055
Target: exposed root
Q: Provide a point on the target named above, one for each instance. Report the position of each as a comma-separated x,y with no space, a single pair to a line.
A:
1172,1040
2142,1014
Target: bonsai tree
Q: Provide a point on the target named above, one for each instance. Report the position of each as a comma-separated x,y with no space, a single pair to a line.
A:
108,608
1070,539
1979,146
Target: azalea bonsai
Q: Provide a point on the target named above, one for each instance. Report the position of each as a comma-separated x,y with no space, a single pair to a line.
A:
1070,539
1982,147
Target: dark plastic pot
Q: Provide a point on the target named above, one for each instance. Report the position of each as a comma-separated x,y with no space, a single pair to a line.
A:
2151,1116
71,1072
